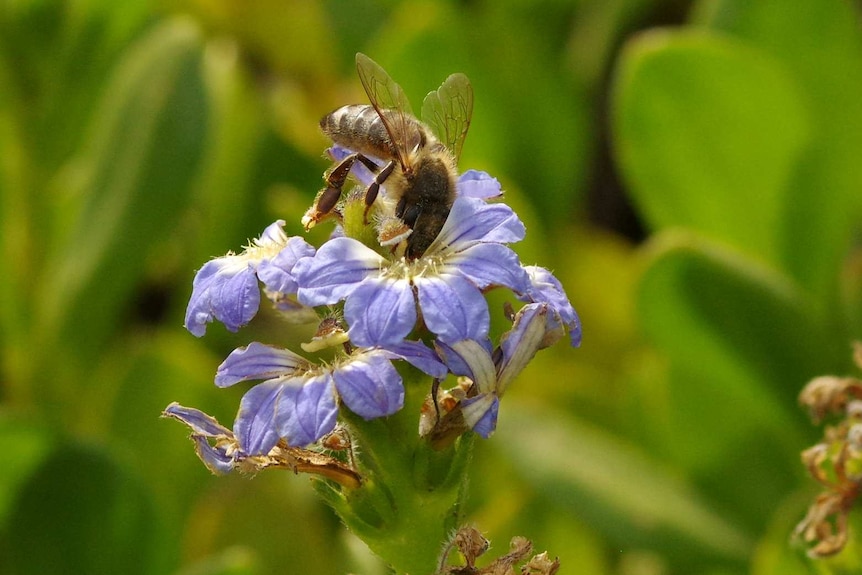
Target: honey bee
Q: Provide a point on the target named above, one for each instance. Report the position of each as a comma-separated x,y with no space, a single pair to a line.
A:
419,158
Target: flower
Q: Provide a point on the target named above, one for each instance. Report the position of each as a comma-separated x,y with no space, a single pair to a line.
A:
220,458
478,184
447,282
545,288
492,371
226,288
219,450
297,401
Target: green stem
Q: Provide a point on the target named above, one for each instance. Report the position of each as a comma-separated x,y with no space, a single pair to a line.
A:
411,499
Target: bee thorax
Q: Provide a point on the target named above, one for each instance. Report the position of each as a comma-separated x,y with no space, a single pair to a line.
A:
426,201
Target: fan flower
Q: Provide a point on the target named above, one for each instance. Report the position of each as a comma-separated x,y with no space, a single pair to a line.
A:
298,400
545,288
218,449
226,288
447,282
220,458
478,184
492,371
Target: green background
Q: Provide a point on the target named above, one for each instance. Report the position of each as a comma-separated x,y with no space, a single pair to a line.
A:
689,170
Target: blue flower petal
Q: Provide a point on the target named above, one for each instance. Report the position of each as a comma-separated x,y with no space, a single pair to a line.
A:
197,420
338,153
335,270
272,235
205,427
474,359
308,411
277,273
370,386
480,413
257,361
545,288
496,223
453,360
520,344
490,264
380,312
214,458
453,308
255,425
478,184
224,289
419,356
472,220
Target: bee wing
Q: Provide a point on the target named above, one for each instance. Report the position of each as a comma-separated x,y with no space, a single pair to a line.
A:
448,111
391,104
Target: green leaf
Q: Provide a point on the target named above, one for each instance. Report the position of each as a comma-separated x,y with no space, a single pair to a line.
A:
820,42
613,486
231,561
741,341
707,132
138,168
24,446
708,306
81,512
224,192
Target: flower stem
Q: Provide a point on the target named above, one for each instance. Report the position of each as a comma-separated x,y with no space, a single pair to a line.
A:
411,499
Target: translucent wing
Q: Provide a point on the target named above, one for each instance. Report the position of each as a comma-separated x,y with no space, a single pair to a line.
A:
391,104
448,111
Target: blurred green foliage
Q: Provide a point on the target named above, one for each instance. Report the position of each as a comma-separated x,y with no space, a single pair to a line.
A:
138,139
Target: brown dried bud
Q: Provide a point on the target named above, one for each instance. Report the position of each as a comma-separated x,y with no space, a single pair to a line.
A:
829,394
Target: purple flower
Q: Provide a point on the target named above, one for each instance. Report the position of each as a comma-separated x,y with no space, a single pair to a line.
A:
226,288
381,295
218,448
478,184
220,457
545,288
298,400
493,371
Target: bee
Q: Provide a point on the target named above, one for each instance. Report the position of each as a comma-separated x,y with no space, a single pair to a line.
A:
418,158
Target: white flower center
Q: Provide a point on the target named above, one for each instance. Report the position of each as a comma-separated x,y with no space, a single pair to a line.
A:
427,265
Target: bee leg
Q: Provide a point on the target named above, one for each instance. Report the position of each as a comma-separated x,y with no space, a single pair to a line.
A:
335,179
372,167
374,188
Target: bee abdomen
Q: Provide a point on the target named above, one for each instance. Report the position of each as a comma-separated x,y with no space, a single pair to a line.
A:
359,128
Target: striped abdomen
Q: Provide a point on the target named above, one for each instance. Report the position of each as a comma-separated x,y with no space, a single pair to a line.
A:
359,128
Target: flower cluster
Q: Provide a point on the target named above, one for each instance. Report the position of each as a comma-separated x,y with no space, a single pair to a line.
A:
378,308
835,462
471,544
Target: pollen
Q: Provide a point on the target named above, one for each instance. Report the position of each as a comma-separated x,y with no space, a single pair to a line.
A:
404,269
265,247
